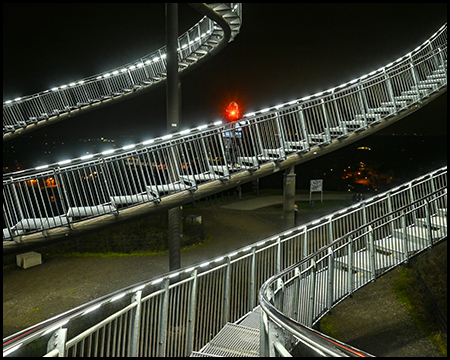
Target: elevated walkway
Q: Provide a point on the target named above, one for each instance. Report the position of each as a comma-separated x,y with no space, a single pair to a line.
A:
102,190
300,274
62,103
242,338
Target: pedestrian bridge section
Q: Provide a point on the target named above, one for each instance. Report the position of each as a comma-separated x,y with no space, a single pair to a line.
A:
74,196
261,300
220,25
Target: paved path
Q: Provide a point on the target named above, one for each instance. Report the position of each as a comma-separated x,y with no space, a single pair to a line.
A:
264,201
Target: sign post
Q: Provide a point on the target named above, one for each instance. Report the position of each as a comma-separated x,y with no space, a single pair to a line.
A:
315,186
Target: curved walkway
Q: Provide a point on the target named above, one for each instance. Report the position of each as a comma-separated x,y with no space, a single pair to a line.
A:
60,283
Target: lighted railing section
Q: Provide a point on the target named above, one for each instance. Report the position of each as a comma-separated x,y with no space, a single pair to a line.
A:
56,195
132,77
182,311
298,297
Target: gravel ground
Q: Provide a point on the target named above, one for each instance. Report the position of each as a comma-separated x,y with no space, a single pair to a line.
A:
60,283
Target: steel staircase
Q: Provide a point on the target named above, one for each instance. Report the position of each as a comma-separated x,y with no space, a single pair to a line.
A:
239,339
126,181
301,274
242,338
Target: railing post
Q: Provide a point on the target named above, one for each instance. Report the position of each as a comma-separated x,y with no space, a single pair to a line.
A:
278,264
303,127
312,293
259,139
428,217
327,123
107,178
390,89
281,135
16,198
192,313
337,112
163,314
252,279
414,75
226,292
279,295
372,253
330,229
57,343
389,209
305,245
276,334
330,285
253,144
289,198
350,266
264,335
296,295
8,223
61,191
411,194
363,108
135,331
443,62
404,238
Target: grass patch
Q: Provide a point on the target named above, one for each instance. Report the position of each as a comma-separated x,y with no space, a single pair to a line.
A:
107,255
410,293
327,326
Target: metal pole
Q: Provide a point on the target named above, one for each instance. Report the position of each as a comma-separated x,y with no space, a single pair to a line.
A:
173,85
289,199
173,123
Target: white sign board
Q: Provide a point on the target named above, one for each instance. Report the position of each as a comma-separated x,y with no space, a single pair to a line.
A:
316,185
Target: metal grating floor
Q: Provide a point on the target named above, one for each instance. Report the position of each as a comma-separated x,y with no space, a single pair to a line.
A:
253,319
233,341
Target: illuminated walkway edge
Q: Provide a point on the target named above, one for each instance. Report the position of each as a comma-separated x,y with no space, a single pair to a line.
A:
181,312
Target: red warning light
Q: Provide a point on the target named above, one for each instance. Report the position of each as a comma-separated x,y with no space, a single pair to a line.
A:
232,112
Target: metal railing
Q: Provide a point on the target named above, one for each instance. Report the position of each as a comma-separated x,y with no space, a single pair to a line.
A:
181,311
135,76
62,194
297,298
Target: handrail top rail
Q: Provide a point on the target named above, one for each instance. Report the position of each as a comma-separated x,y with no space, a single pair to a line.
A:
300,330
218,125
60,319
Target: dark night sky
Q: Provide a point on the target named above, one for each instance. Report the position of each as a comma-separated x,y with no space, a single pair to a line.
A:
283,52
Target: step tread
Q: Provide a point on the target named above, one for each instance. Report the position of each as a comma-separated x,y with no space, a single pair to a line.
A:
234,340
361,261
252,319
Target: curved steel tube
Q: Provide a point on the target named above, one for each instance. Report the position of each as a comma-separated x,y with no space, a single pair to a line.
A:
280,255
85,194
204,39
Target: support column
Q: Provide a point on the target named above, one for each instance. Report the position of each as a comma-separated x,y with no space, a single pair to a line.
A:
173,123
289,198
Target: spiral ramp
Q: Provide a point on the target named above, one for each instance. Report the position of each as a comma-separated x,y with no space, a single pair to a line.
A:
269,140
77,196
204,39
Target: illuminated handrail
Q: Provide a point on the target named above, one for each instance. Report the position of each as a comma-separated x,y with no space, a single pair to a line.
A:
181,311
71,99
59,195
378,245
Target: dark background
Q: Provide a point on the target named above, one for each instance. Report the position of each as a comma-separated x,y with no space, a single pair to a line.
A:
283,52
